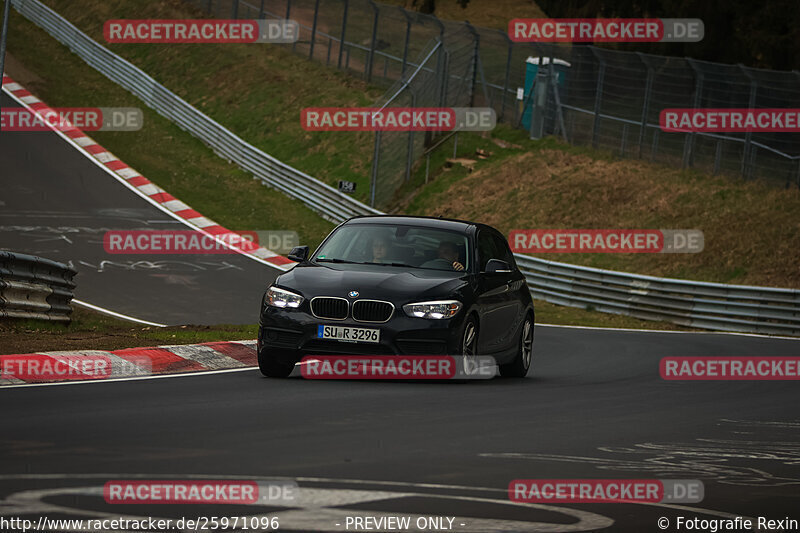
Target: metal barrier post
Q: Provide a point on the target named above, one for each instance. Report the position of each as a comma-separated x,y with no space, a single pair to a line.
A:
344,33
373,41
598,99
746,170
508,75
313,31
410,153
3,38
374,180
648,86
688,146
405,44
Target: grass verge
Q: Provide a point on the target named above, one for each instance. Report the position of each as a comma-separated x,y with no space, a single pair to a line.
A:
90,330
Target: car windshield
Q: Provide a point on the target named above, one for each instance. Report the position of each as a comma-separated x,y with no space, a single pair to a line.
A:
404,246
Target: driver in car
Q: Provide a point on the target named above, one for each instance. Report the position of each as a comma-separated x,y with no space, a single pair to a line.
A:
380,250
447,253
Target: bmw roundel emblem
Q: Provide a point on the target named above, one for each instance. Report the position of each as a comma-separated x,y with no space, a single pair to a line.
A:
352,294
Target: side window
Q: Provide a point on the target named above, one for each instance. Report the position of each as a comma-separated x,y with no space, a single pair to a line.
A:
487,249
504,252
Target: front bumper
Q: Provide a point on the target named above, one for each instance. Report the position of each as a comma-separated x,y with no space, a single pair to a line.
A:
289,335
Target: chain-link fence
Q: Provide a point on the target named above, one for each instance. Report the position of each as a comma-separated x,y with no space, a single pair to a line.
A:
587,95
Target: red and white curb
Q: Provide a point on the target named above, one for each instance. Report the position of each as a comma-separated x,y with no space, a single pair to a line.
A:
138,362
144,187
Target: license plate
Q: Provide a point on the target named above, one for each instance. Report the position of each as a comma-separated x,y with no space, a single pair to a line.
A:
349,334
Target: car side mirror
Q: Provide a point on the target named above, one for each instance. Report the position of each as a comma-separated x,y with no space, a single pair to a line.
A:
299,254
496,265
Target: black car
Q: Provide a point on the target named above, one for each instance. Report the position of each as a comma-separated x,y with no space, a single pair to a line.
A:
400,285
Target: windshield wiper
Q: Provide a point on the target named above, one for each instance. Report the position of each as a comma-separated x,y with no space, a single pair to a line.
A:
337,260
399,265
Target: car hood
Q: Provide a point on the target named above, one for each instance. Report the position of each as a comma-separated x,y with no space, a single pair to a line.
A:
376,282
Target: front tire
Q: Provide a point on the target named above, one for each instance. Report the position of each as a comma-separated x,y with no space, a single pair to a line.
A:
272,368
518,368
469,346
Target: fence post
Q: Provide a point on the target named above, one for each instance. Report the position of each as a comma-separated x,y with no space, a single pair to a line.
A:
798,174
718,157
288,16
444,81
261,13
410,154
208,6
688,146
475,62
235,10
654,148
405,45
508,75
343,34
375,158
373,42
598,99
648,86
746,169
313,31
559,110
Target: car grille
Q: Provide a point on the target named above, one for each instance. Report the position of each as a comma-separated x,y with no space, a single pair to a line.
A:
372,311
422,347
330,308
283,337
327,347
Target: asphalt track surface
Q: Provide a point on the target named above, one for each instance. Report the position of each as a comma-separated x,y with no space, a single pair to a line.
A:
594,405
56,203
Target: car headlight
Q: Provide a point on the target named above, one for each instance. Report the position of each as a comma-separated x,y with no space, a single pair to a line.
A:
437,309
282,298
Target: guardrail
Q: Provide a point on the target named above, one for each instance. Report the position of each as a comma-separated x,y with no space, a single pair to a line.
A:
713,306
34,287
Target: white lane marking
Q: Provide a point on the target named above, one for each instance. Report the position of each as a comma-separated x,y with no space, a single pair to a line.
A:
759,335
116,315
154,203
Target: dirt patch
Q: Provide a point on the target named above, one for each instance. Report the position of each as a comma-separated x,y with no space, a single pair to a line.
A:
22,75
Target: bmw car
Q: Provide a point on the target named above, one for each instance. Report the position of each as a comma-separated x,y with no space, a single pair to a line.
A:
400,285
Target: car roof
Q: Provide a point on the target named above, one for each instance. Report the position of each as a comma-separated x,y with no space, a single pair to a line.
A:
407,220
